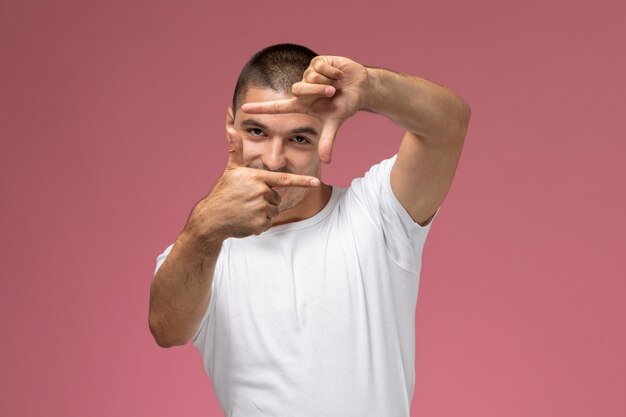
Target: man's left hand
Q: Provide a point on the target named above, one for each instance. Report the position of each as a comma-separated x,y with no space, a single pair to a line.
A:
331,89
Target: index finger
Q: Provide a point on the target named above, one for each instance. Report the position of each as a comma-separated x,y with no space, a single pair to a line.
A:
272,107
327,140
283,179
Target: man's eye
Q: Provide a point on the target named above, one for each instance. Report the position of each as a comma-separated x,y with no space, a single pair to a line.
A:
255,131
300,139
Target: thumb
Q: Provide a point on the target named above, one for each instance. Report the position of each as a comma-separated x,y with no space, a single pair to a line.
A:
235,152
327,140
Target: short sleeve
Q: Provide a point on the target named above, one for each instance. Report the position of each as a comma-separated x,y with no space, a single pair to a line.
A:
404,238
161,257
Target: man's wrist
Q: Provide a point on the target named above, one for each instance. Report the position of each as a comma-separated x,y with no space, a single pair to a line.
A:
370,91
377,90
203,230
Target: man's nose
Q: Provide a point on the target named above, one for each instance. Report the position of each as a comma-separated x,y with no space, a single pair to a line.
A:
274,155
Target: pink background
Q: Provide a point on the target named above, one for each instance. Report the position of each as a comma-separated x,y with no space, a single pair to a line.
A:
112,127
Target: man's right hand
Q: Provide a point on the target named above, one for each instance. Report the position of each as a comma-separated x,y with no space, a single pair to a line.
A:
242,203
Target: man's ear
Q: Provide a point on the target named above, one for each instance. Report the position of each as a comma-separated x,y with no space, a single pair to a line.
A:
230,118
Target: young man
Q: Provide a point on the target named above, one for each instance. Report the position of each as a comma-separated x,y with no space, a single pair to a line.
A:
299,295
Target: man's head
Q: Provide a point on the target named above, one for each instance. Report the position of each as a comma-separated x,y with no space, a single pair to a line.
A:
276,67
278,142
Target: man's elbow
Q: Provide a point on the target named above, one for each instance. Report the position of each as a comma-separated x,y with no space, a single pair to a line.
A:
162,337
458,108
467,113
464,113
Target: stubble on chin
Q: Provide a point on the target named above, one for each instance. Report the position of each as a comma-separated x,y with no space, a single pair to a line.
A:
294,196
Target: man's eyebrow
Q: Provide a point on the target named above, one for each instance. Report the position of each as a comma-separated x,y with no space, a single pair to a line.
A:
304,129
252,122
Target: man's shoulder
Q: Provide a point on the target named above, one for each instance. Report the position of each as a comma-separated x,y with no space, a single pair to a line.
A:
375,178
378,169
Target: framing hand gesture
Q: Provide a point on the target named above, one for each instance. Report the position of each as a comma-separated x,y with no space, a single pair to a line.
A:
331,88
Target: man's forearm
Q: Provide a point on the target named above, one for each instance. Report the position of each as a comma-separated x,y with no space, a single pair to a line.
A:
181,290
428,110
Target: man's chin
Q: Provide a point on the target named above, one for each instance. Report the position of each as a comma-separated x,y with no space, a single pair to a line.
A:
288,203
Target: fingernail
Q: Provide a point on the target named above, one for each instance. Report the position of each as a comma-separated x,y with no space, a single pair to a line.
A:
314,182
330,91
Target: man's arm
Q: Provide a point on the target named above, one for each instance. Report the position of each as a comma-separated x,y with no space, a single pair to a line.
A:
334,88
181,290
242,203
436,121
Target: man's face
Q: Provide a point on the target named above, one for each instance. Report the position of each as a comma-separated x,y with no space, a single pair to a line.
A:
279,142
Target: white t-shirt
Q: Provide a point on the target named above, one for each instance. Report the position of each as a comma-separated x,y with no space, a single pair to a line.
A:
316,318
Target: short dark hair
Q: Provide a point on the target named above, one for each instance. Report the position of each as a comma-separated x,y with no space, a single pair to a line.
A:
277,67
